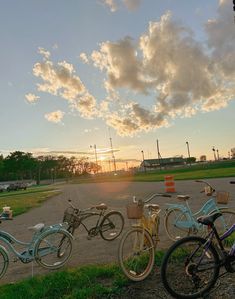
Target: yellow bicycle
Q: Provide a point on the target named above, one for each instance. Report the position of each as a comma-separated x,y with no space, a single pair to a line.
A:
136,252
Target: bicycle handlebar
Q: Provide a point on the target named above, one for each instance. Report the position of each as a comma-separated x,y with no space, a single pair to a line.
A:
204,182
232,182
150,198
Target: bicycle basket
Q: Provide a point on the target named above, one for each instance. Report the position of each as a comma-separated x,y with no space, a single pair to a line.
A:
222,197
71,218
134,211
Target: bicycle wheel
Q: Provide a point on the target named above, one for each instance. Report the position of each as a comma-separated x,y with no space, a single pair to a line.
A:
176,224
4,261
224,222
136,254
49,245
111,225
61,251
190,268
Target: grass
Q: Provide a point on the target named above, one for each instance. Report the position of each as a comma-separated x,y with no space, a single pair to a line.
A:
81,283
21,201
87,282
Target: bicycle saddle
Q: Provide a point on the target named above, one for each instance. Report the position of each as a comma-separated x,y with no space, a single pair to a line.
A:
209,220
37,227
101,206
152,206
183,197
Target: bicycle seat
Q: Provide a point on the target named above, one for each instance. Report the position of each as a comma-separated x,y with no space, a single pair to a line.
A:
152,207
183,197
209,220
101,206
37,227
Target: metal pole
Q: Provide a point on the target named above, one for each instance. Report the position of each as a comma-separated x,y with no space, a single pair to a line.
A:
143,161
188,153
213,149
217,154
159,156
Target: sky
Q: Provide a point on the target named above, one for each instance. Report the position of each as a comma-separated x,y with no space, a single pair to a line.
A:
76,73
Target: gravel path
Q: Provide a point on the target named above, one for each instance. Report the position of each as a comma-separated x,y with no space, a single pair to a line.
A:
115,195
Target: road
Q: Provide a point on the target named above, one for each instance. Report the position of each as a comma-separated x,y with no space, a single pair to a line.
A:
116,196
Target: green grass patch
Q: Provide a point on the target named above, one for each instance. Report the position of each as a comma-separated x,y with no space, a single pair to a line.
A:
87,282
21,201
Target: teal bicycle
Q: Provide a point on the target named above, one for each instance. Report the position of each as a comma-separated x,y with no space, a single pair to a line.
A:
180,221
43,247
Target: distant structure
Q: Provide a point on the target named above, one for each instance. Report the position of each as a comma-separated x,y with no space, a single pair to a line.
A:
233,153
165,162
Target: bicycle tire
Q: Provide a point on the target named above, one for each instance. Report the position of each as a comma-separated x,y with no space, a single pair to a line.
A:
175,233
4,261
111,226
179,270
136,254
224,222
47,248
61,252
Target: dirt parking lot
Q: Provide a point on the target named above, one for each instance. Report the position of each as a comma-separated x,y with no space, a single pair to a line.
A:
116,196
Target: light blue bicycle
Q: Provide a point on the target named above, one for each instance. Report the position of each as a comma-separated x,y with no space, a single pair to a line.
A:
43,247
180,221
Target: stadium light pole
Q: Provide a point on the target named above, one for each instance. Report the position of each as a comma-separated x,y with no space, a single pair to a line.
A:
143,160
94,146
213,149
188,152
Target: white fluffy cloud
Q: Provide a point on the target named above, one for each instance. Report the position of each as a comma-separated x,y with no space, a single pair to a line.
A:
170,73
31,98
114,5
55,116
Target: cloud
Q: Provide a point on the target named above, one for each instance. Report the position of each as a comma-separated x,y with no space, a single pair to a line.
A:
31,98
132,4
164,74
129,4
46,54
55,116
84,58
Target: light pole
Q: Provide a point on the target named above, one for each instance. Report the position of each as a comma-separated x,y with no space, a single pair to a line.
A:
94,146
213,149
143,160
217,154
188,152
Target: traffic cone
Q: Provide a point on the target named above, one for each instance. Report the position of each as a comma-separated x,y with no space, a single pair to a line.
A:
169,184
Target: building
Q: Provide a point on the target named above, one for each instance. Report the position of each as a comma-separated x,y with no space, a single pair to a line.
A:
163,162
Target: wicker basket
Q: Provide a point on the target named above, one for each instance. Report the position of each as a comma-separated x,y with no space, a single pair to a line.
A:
222,197
71,218
134,211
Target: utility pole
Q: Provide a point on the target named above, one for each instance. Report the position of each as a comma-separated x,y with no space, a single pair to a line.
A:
159,155
95,156
111,146
217,154
143,160
213,149
188,152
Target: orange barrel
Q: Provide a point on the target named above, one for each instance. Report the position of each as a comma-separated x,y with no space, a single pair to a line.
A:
169,183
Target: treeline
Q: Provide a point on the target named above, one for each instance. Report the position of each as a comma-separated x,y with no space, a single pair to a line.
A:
23,166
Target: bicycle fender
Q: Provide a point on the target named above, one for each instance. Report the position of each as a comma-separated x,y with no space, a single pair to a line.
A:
218,209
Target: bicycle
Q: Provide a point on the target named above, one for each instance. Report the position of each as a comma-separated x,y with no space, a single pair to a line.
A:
191,266
42,248
136,252
180,221
109,226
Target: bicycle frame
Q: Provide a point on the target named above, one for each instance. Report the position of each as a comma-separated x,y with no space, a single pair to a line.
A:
209,207
84,215
28,254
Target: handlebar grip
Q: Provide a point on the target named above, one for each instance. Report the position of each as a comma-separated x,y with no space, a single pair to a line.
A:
166,195
232,182
199,181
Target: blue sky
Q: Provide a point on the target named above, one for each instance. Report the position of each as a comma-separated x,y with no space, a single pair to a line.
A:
74,72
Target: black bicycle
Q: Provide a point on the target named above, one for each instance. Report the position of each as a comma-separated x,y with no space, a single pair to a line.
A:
109,225
191,266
